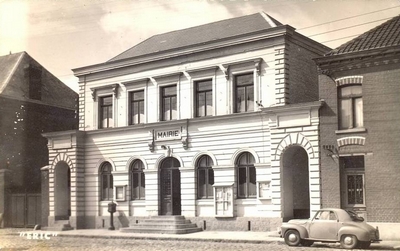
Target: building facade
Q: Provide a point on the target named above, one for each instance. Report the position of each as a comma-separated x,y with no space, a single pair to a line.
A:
218,123
360,124
32,101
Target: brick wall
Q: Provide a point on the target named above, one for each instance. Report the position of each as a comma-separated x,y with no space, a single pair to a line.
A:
382,140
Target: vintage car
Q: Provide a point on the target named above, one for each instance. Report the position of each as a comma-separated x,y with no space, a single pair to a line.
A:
331,225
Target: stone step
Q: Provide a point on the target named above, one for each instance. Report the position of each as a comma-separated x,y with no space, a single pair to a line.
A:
167,221
160,231
164,225
176,224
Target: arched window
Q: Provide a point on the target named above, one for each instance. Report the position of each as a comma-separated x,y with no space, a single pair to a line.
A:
205,177
137,180
246,176
106,182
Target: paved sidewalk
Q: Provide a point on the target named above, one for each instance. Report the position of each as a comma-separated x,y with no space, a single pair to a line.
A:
217,236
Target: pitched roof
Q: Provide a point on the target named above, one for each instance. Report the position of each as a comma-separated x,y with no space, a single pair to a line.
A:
15,85
382,36
200,34
8,65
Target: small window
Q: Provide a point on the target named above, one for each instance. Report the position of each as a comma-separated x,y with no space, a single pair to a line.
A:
137,179
246,176
204,105
106,112
244,93
169,103
350,107
106,182
205,178
136,107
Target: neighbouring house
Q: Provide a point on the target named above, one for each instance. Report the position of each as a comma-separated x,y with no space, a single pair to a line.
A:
32,102
360,124
217,123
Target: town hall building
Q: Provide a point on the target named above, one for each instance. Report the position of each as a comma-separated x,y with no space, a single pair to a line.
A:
218,123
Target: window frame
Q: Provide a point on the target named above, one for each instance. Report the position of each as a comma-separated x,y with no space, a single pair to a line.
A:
353,171
235,92
132,101
197,99
353,109
106,176
110,109
140,191
248,167
162,104
207,169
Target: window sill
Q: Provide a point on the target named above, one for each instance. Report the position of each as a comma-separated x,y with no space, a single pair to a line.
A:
352,130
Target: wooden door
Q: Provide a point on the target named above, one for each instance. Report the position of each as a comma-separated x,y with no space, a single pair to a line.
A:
170,187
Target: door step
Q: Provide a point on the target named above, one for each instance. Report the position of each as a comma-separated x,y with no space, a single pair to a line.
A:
163,225
59,225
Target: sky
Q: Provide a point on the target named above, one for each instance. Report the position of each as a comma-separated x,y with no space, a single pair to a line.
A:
66,34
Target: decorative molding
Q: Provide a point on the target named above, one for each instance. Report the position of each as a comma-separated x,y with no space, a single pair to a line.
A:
93,92
349,80
225,70
352,140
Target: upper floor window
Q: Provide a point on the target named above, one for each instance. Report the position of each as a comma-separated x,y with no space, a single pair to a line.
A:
106,182
350,107
106,112
244,93
136,107
204,98
246,176
205,178
353,168
137,180
169,103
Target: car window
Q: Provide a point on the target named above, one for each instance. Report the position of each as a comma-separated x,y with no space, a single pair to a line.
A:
325,215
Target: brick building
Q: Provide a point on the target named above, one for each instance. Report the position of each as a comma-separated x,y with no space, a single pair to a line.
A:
360,124
32,101
217,123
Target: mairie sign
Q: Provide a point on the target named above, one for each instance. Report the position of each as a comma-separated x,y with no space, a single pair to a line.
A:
167,134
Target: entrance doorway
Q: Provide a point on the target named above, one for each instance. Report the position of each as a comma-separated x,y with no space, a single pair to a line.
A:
62,191
295,184
170,187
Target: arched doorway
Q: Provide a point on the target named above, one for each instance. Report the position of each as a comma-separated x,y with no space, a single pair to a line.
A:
170,187
62,191
295,184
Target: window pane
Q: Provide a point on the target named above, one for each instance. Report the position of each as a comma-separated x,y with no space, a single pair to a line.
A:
209,107
166,109
358,112
252,181
355,189
240,99
201,104
143,186
350,91
250,98
201,182
242,182
210,189
352,162
242,80
346,120
173,107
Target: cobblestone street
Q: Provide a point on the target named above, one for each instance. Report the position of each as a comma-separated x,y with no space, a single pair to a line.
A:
15,243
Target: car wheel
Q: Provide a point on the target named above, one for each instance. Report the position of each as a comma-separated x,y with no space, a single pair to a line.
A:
365,244
306,243
348,241
292,238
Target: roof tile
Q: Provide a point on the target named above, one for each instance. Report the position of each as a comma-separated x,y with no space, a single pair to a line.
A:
384,35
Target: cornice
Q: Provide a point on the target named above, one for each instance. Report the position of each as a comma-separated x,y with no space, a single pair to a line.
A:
360,59
293,107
